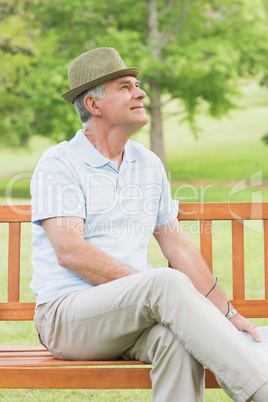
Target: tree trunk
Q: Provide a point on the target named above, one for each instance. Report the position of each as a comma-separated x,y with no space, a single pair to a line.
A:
156,129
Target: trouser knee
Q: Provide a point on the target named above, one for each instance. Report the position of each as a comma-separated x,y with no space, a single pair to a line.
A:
171,280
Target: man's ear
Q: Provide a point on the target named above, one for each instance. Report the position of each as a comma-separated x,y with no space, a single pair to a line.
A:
92,105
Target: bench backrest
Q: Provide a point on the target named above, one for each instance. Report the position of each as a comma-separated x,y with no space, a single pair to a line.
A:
238,213
204,213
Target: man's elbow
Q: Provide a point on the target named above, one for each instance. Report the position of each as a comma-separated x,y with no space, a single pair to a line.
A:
62,260
63,255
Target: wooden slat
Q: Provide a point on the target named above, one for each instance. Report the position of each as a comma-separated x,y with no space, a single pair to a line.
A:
238,259
83,378
39,354
25,311
15,213
265,230
16,311
252,308
14,262
223,211
22,348
206,241
51,361
188,211
73,378
210,380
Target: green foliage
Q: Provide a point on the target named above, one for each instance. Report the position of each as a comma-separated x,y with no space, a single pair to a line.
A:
195,51
17,55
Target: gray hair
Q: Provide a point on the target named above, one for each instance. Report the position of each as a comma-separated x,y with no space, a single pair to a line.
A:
97,92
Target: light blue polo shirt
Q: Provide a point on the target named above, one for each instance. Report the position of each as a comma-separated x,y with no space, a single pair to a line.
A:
120,208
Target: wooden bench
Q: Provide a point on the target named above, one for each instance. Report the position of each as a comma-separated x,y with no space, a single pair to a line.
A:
35,367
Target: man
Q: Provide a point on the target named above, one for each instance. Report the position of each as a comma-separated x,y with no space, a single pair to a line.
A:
96,201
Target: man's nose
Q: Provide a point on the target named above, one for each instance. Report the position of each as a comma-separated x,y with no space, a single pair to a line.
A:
140,93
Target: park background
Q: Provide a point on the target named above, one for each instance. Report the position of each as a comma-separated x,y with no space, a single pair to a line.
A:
204,66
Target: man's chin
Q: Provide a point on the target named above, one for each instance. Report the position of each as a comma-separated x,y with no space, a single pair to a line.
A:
144,121
139,125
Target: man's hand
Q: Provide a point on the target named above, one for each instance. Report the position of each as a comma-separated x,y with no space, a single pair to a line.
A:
242,324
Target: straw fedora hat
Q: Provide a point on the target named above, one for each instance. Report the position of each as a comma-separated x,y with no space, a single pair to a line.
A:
94,68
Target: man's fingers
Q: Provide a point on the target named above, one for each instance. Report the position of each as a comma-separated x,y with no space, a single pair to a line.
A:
242,324
255,335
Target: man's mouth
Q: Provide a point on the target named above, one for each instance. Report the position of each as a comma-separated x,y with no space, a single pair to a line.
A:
137,107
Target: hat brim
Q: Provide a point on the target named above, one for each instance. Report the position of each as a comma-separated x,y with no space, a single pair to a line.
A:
70,95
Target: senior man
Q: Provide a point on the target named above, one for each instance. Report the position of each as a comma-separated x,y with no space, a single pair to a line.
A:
96,201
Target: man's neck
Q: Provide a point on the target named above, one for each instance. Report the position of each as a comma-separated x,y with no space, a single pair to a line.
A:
111,145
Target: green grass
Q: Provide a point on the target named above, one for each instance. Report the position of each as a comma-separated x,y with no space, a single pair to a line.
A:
22,160
227,149
187,192
224,161
94,396
17,186
76,395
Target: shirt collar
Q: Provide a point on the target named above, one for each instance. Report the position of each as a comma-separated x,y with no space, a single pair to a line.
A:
87,151
131,152
93,157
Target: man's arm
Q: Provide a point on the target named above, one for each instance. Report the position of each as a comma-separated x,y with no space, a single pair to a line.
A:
184,256
76,254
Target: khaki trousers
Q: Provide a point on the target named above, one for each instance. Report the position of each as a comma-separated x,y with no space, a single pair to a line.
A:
160,318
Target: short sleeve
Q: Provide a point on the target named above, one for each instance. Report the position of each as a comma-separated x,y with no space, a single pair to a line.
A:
168,208
55,191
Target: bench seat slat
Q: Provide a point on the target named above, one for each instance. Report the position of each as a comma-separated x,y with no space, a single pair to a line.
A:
51,361
82,378
75,377
26,349
25,355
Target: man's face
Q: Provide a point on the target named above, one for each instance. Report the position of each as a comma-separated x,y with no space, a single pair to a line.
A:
122,106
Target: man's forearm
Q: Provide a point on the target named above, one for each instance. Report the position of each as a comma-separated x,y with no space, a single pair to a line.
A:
79,256
185,257
92,264
190,261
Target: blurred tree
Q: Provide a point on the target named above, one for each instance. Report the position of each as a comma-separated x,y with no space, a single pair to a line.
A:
17,55
192,50
37,40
